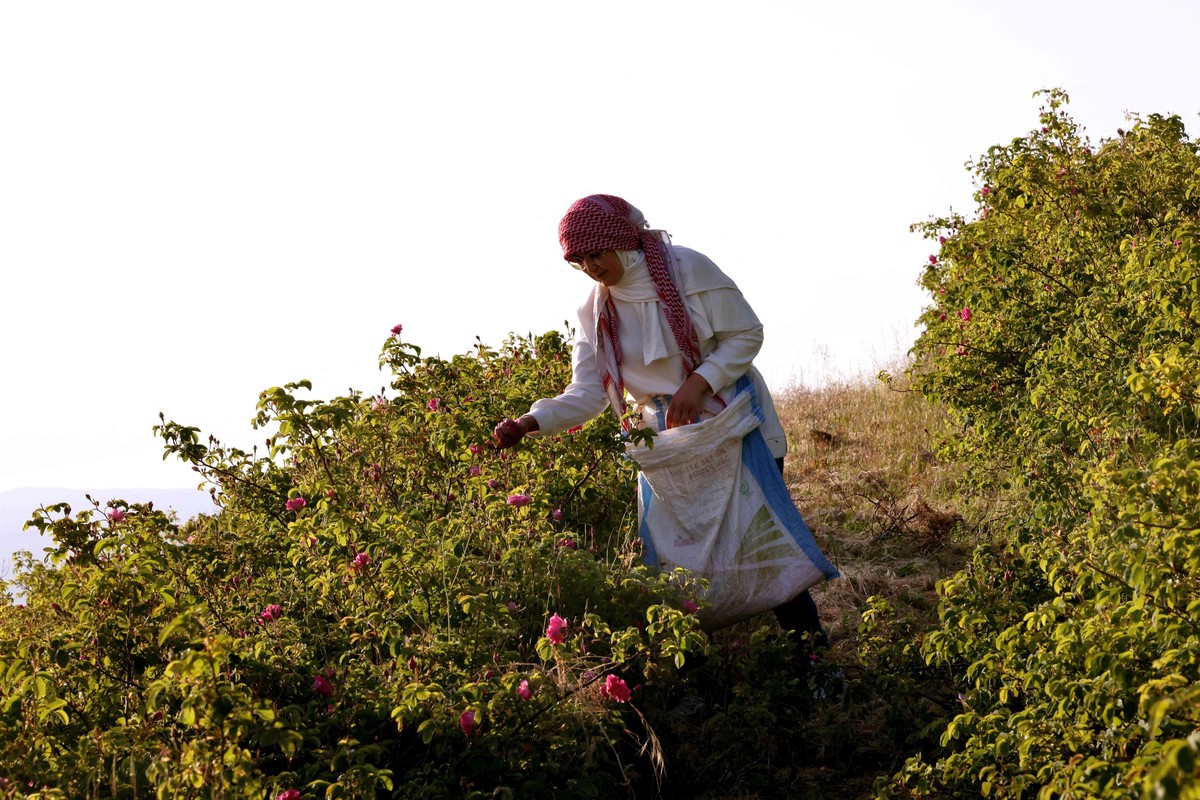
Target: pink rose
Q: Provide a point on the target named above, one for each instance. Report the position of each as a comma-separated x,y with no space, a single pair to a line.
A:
295,504
290,794
690,607
434,403
466,721
397,330
941,240
985,191
965,314
556,629
615,689
932,259
322,686
523,691
360,562
518,500
116,515
474,448
475,471
270,614
567,543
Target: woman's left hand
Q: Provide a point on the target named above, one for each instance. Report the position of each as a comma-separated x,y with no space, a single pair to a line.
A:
687,401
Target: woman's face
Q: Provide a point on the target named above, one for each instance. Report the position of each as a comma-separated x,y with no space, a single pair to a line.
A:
603,266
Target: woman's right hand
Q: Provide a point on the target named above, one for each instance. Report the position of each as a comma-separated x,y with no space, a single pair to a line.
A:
510,431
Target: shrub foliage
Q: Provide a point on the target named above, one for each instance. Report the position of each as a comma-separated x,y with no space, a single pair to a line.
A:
1061,336
368,614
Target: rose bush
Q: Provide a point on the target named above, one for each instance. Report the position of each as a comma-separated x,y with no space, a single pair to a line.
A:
368,614
1061,335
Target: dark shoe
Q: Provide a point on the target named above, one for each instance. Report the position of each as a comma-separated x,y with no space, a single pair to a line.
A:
690,707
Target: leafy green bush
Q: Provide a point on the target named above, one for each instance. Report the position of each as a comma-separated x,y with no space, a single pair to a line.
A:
383,605
1062,338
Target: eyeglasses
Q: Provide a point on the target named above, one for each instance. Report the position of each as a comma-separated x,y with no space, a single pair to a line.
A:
583,260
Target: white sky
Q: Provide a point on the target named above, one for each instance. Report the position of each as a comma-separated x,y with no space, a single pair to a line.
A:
198,201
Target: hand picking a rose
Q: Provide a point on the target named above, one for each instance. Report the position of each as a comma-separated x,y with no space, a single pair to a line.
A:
510,431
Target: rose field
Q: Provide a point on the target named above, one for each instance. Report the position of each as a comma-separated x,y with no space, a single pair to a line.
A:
387,606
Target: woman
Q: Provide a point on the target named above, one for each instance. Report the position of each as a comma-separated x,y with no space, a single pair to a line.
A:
664,325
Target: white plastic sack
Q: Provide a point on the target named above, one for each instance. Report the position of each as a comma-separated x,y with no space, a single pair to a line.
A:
712,500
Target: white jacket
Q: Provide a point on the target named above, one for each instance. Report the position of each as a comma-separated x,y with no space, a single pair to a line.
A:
730,337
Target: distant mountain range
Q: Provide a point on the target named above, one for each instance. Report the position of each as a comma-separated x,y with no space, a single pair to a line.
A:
18,505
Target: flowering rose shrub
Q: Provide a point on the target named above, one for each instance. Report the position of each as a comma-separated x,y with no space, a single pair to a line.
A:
366,616
1062,335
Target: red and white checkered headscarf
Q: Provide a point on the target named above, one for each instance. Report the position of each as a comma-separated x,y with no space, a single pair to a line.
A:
605,222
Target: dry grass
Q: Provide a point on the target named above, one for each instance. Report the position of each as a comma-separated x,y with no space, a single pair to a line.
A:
863,468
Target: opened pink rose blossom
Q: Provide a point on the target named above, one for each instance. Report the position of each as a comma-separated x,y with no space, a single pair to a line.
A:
466,721
556,629
614,688
523,690
116,515
296,503
397,330
290,794
518,500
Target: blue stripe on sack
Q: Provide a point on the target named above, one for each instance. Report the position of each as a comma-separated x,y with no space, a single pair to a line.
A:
660,409
757,458
649,553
